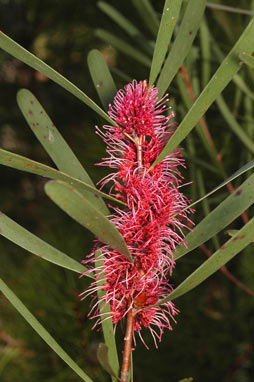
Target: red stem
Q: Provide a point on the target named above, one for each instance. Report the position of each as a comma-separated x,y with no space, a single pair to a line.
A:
127,346
138,142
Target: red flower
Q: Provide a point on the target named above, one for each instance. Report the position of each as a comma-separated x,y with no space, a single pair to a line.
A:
152,223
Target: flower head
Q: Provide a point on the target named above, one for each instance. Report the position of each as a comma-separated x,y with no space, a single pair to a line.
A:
152,222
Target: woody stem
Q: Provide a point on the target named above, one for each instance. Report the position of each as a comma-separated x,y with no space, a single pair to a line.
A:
127,346
138,142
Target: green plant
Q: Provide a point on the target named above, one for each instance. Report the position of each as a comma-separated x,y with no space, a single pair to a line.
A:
73,190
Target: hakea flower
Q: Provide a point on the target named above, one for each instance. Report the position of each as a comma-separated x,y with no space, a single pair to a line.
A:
152,222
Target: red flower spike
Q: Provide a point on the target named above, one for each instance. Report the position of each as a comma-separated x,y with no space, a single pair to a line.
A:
152,223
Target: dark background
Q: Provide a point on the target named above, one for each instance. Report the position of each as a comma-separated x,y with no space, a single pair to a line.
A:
213,338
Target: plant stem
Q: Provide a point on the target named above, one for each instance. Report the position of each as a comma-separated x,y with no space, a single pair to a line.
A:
127,346
138,142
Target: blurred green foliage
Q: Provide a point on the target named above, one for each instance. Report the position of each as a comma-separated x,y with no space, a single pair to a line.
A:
215,329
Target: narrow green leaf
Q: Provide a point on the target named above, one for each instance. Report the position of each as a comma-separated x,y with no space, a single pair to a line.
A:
199,129
122,75
235,175
247,59
25,164
118,18
126,25
215,86
182,44
226,8
200,162
32,243
123,46
220,217
17,51
205,44
81,210
233,124
168,21
43,333
148,15
102,356
205,204
54,144
190,379
101,76
224,254
237,79
107,325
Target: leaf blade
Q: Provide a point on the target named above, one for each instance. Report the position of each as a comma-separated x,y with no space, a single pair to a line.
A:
17,51
148,15
169,17
53,142
19,162
123,46
235,175
101,76
32,243
218,82
107,324
43,333
247,59
81,210
220,217
233,124
102,356
224,254
182,44
126,25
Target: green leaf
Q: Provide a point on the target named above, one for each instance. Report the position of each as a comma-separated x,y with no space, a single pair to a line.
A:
107,325
235,175
199,129
205,203
233,124
43,333
123,47
102,356
190,379
242,86
54,144
182,44
101,76
247,59
224,254
81,210
205,44
168,21
126,25
215,86
238,80
25,239
118,18
220,217
148,15
17,51
24,164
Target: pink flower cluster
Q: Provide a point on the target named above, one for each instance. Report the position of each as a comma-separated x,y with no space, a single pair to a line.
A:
152,222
